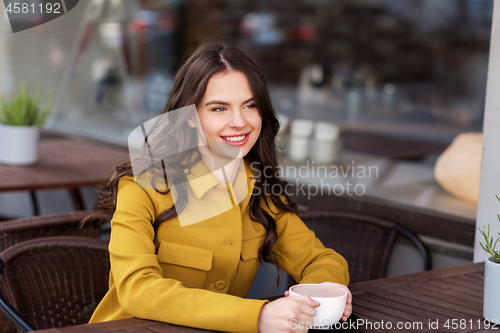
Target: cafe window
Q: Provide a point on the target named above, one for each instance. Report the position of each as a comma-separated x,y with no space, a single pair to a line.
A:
410,68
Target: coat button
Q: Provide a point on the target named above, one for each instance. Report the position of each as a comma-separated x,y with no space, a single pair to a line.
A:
219,285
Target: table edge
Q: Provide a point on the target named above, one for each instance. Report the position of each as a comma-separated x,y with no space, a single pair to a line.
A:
361,287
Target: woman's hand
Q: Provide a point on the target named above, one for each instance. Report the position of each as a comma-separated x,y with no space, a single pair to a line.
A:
348,306
288,314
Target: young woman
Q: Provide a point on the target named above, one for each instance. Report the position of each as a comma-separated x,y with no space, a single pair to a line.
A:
187,252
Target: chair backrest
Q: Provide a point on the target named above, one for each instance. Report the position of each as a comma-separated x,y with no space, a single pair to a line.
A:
365,242
56,281
64,224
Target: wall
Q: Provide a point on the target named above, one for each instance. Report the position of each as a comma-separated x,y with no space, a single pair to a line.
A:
489,206
3,48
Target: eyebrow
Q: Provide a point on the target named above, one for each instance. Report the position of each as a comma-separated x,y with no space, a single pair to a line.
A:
226,103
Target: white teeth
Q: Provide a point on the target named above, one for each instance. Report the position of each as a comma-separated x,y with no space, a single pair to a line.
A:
234,138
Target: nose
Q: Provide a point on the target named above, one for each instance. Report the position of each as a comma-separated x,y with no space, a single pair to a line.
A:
237,120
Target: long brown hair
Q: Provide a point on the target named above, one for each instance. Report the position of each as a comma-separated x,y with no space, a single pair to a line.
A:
188,88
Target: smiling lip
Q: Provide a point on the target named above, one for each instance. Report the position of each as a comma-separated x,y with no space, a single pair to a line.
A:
236,143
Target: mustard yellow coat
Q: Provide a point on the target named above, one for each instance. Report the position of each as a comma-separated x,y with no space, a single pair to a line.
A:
202,271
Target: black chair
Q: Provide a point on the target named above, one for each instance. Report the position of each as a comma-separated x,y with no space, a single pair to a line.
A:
62,224
365,242
54,281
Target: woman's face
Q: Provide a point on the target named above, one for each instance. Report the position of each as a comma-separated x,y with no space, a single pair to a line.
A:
227,112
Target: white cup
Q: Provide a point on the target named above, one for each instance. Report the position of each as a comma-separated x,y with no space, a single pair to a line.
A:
300,134
302,128
326,146
326,152
332,302
299,149
325,131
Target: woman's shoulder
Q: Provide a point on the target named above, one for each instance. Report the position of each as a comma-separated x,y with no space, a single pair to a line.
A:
142,191
140,186
273,208
145,181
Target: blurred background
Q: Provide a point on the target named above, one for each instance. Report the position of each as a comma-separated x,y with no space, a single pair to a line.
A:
410,68
396,81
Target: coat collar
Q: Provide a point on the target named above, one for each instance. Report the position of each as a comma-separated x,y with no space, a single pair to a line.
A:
201,180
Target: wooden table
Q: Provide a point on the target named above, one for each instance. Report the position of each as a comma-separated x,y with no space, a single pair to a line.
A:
436,299
399,191
64,163
425,302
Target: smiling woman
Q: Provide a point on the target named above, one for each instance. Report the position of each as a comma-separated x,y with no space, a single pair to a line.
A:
197,273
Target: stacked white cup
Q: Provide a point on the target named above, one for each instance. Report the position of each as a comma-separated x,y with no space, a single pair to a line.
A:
323,147
326,146
300,133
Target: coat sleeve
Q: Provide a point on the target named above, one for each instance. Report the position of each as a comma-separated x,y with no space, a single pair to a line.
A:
141,289
303,256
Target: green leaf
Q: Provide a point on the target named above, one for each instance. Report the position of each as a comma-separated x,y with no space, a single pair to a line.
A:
23,109
489,246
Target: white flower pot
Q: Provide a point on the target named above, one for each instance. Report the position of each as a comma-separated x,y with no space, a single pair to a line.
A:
491,304
19,144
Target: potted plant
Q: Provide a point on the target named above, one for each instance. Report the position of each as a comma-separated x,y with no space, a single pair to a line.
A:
20,121
491,303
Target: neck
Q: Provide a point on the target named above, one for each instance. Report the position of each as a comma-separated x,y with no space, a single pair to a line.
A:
227,174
